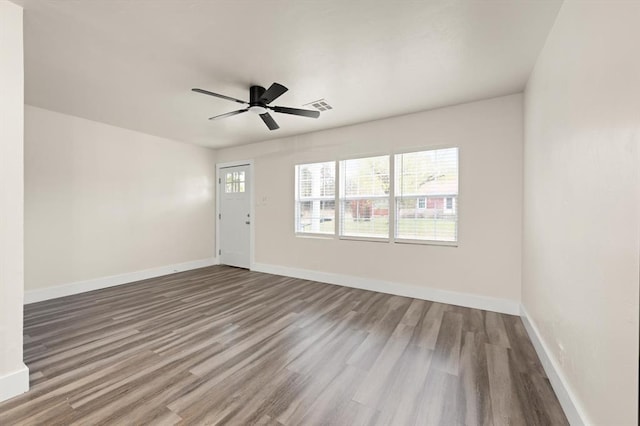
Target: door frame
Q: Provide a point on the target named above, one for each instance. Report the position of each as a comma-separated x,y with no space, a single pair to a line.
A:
252,211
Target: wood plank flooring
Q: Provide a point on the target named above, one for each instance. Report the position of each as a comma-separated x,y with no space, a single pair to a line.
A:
221,345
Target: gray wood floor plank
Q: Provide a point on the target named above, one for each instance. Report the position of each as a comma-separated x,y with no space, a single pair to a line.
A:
222,345
446,356
505,404
475,402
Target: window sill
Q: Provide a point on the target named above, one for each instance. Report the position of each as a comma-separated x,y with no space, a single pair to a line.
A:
426,242
371,239
315,236
376,239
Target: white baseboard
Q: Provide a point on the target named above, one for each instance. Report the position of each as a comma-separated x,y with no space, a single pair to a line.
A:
399,289
14,384
575,414
32,296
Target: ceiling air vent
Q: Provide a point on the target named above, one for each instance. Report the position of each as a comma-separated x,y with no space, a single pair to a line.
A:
320,105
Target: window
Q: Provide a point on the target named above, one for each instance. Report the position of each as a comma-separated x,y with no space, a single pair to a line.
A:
234,182
426,193
418,202
364,197
315,198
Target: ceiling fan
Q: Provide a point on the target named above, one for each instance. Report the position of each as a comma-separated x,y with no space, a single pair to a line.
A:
259,100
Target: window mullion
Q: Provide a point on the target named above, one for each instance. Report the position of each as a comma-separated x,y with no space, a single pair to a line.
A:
313,181
392,199
337,191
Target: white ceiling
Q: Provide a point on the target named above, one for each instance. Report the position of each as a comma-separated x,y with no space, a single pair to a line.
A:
132,63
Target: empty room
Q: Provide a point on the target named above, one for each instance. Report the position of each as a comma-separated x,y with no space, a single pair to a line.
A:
339,212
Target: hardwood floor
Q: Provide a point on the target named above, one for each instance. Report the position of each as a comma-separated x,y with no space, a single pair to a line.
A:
222,345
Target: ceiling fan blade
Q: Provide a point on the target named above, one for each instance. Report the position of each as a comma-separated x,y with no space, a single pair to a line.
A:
229,114
272,93
269,121
296,111
217,95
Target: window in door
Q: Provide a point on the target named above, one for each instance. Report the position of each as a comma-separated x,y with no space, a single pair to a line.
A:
234,182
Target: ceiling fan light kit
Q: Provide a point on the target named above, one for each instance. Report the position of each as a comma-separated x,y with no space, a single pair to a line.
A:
259,100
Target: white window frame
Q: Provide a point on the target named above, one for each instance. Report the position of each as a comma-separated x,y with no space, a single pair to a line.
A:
455,243
446,201
391,196
298,200
340,199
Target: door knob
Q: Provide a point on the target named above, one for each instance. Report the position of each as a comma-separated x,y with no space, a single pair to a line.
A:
247,222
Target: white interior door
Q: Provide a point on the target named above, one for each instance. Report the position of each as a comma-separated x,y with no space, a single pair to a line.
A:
235,215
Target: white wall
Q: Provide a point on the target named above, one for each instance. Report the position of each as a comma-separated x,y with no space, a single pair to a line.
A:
102,201
487,260
14,376
581,204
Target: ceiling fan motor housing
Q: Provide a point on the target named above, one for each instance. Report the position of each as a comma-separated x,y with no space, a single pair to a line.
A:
255,93
255,106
